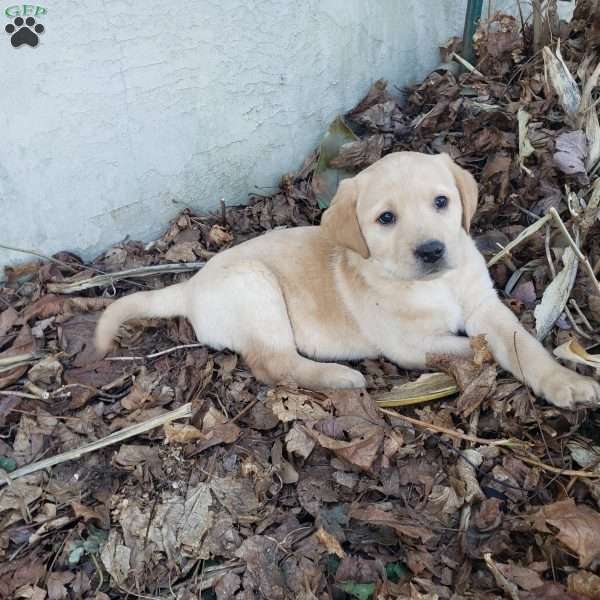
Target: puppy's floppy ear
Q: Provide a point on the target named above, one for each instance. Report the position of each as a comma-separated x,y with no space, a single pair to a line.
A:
467,186
340,221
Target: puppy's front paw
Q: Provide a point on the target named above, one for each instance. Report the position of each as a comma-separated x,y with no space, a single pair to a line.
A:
340,376
566,389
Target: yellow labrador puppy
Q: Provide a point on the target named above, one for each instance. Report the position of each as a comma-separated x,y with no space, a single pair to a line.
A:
390,271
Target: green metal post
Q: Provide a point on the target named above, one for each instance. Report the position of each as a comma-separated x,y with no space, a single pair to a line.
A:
471,18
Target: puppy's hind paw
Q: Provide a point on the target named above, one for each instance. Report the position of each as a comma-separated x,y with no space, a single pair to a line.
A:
566,389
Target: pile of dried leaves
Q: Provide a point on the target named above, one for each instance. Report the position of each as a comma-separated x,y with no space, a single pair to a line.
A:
288,493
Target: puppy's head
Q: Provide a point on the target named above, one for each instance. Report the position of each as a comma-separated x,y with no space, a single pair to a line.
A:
406,212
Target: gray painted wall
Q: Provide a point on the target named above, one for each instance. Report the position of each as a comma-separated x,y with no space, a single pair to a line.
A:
127,111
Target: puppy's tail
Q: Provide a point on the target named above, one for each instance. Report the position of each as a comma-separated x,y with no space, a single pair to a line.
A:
166,302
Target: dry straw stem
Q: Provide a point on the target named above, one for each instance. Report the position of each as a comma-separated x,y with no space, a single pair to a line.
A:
71,287
580,256
507,586
10,362
428,387
526,233
182,412
467,65
552,214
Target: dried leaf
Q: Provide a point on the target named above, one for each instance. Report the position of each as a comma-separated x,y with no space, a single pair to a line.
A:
298,442
179,433
331,543
563,83
578,528
291,405
261,555
116,557
8,318
361,452
475,381
573,351
585,583
571,152
219,236
182,252
326,178
556,295
404,528
525,147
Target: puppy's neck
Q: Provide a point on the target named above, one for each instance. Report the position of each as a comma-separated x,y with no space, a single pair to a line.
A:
367,273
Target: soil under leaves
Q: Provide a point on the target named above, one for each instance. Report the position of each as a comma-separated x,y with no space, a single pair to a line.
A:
288,493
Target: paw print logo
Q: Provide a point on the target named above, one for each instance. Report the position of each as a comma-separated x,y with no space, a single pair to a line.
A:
24,32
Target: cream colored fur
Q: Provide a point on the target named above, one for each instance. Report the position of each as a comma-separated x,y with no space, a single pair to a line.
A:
353,288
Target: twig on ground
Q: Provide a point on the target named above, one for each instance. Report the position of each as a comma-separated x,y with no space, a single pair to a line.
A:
578,310
71,287
453,433
557,470
245,410
43,256
155,354
182,412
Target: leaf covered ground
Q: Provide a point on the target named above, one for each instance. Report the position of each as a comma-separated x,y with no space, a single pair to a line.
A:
289,493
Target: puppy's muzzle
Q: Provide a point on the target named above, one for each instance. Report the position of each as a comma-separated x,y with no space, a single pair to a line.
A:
430,252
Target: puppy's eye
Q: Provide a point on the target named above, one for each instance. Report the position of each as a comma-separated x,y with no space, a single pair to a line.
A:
440,202
386,218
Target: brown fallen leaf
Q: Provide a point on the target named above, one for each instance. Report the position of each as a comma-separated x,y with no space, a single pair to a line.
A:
18,573
116,557
56,582
46,371
584,583
99,516
285,469
331,543
552,591
227,586
578,527
8,318
297,441
361,451
65,306
180,433
571,152
219,236
526,578
290,404
404,528
147,391
361,153
185,251
475,378
262,555
20,494
24,344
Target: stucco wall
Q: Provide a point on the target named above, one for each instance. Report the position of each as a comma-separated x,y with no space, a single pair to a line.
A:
128,111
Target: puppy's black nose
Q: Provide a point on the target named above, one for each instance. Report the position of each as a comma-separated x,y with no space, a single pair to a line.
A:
430,251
